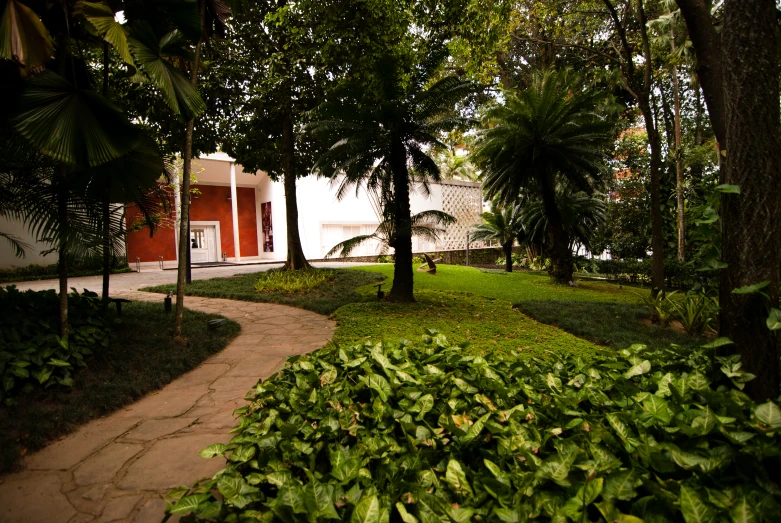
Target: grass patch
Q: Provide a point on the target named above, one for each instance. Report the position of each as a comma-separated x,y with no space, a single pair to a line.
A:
323,299
616,325
277,280
488,325
512,287
142,357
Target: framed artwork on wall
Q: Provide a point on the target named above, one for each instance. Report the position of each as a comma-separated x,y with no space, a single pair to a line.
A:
268,228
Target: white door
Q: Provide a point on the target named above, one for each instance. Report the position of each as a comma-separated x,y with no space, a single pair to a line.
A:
203,244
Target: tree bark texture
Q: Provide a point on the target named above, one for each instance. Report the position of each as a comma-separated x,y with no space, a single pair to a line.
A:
508,256
657,236
402,289
556,236
295,252
751,234
106,203
707,47
62,249
184,216
679,180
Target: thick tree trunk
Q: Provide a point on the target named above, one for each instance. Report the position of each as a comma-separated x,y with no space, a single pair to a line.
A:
678,163
555,235
184,215
751,239
295,252
508,256
657,234
62,250
403,284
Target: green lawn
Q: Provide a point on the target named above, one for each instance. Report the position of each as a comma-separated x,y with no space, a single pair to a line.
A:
324,299
512,287
486,324
142,356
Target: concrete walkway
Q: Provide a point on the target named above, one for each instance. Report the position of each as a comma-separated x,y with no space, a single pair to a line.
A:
117,467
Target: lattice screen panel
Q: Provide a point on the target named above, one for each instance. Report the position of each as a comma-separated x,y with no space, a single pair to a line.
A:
465,203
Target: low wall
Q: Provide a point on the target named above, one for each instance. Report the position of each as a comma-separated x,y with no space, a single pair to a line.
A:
482,256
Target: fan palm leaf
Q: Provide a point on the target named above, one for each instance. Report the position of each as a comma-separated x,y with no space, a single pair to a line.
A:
23,38
72,125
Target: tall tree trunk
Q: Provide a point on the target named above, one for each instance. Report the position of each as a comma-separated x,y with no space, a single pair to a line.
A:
678,162
184,215
751,234
295,252
707,47
403,283
106,203
62,249
657,234
556,235
508,256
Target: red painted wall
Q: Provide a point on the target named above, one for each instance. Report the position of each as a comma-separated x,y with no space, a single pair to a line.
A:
212,204
141,245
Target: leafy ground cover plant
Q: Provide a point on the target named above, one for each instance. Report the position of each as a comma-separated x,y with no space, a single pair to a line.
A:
696,312
426,433
141,356
660,306
277,280
87,267
31,352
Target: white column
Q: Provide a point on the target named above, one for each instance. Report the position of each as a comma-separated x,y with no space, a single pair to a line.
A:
235,212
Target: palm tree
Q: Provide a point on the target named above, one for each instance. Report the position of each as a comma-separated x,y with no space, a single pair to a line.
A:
548,133
425,224
581,214
504,224
382,138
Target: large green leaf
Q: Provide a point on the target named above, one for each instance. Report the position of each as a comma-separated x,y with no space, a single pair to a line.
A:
456,478
694,508
102,18
126,179
367,511
23,38
774,319
72,125
769,414
153,55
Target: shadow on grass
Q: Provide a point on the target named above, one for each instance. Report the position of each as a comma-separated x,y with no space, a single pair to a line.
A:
324,299
616,325
142,357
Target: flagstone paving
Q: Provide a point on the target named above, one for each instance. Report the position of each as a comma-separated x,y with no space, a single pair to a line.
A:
116,468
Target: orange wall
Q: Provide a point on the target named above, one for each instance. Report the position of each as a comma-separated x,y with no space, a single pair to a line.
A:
140,244
212,204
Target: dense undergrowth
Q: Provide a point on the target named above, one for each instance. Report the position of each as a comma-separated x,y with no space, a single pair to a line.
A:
426,432
139,356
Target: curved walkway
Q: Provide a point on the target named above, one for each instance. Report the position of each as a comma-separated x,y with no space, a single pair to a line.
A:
115,468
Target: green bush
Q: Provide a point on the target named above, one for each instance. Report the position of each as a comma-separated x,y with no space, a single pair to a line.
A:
31,352
291,281
427,433
677,274
85,267
418,260
385,259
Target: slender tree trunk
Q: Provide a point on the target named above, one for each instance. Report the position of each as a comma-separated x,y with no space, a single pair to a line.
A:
106,203
295,252
707,46
184,219
751,235
556,236
403,284
62,250
678,162
508,256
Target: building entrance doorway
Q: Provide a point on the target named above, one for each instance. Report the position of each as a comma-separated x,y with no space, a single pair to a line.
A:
203,243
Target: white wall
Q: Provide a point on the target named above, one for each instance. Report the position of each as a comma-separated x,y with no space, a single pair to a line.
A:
319,207
32,254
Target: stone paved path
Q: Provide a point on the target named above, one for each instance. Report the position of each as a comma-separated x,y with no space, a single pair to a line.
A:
115,468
